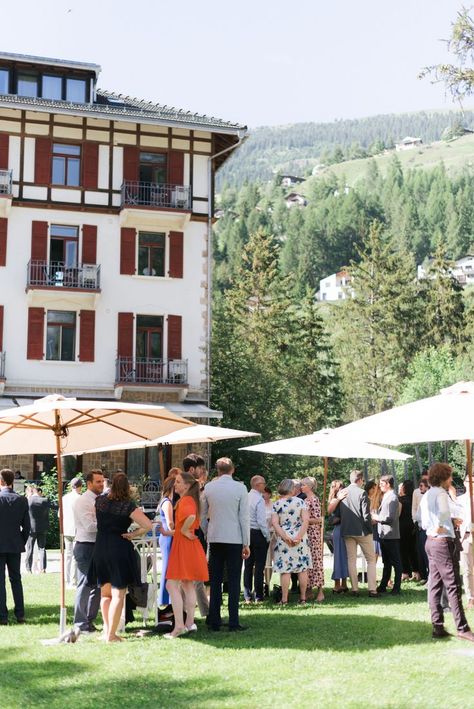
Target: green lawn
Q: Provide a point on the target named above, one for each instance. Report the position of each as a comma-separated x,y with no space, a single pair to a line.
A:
344,653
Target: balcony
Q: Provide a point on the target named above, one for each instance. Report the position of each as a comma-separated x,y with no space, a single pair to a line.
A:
46,281
152,204
147,370
6,192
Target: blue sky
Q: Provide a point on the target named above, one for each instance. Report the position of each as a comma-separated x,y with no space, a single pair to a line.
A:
260,62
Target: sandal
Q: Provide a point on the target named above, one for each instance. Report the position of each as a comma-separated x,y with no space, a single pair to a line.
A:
302,602
282,603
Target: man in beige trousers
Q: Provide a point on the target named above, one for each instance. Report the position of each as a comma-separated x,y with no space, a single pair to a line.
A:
356,529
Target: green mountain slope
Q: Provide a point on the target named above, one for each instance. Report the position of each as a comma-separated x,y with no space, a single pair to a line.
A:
455,155
297,148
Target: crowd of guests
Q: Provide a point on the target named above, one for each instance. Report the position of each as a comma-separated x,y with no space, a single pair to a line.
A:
210,530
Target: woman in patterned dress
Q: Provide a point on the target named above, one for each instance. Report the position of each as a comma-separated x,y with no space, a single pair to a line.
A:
316,574
292,555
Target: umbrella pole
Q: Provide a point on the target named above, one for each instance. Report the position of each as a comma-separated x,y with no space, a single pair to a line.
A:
469,472
323,505
62,603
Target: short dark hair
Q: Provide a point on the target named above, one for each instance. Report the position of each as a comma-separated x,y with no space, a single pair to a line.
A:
120,489
193,460
389,479
7,476
90,475
439,473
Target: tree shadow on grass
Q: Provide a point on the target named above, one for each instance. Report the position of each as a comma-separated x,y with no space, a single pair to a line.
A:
297,631
35,683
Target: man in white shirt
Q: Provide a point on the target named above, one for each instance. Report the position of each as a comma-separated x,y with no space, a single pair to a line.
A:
254,565
87,601
440,548
225,520
69,529
467,553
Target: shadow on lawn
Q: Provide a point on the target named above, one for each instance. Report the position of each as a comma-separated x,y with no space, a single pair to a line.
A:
294,630
36,683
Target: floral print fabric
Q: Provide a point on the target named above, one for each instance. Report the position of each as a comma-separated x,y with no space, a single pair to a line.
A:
316,574
290,559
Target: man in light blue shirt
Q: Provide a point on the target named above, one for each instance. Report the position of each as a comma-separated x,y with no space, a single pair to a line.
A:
436,520
254,567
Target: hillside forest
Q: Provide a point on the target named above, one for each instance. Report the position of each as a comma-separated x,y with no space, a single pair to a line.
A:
286,364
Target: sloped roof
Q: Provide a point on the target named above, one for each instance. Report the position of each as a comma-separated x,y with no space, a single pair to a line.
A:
66,63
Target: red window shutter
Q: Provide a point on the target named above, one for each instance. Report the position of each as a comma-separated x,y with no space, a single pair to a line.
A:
176,254
4,143
1,328
3,242
90,165
174,336
35,333
175,167
87,335
131,159
125,335
39,241
127,251
89,244
43,161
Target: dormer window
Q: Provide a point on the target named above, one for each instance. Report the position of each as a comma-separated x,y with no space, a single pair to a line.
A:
27,85
4,81
52,87
76,90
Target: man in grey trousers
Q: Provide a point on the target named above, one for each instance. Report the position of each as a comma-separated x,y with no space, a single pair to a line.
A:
225,520
389,533
356,529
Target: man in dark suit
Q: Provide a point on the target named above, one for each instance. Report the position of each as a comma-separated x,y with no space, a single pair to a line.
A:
356,529
14,531
39,507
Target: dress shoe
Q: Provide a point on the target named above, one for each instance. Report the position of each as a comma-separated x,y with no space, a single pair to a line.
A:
214,628
374,594
92,628
237,628
439,632
21,621
395,592
466,635
381,589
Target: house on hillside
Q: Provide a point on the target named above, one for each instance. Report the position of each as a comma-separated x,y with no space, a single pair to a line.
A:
408,143
334,287
462,271
295,200
291,180
106,205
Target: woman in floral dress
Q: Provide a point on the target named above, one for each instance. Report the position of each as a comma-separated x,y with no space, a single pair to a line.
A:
316,574
292,555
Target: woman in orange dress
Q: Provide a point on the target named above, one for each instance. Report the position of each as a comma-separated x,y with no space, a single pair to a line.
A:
187,562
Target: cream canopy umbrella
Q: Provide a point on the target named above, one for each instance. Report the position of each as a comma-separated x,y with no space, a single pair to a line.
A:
448,416
196,433
60,425
325,444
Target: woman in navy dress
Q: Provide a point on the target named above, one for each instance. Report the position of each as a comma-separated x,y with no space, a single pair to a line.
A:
115,563
165,510
340,568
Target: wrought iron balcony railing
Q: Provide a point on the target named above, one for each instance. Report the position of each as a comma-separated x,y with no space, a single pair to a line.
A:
148,370
2,365
57,274
149,194
6,181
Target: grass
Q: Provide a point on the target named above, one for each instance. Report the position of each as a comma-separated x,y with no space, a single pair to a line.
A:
455,156
343,653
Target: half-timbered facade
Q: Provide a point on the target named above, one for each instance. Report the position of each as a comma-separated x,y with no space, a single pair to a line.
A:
105,216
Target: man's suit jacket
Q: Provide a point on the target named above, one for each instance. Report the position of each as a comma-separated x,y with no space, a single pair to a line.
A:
225,511
389,513
355,513
39,514
14,522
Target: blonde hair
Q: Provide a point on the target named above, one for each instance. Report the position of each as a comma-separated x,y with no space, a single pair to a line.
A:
310,482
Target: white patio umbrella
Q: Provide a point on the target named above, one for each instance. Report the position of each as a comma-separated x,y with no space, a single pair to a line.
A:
325,444
60,425
448,416
197,433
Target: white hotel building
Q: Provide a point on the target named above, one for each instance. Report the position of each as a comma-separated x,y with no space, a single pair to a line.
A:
106,208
